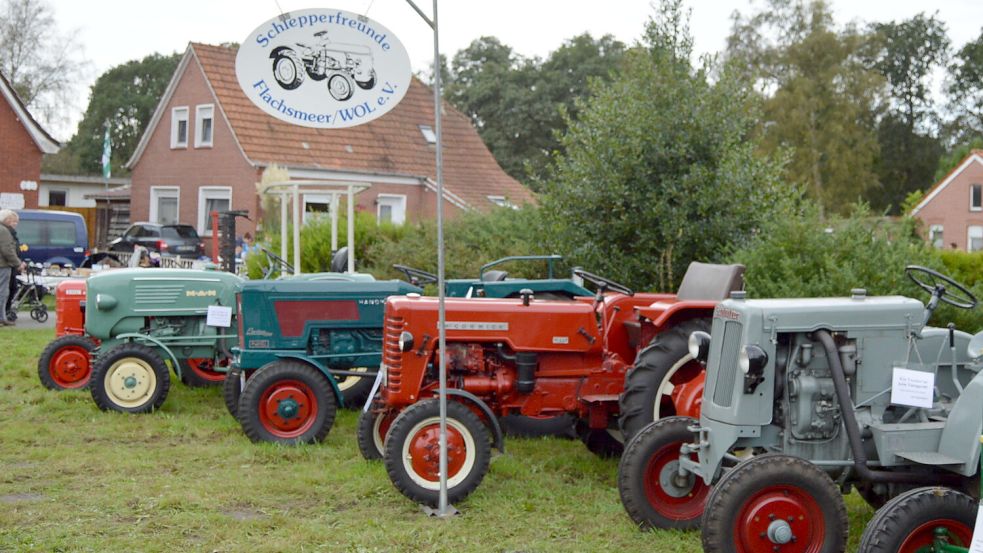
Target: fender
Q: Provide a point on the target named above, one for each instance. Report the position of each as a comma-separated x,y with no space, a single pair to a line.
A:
144,338
499,437
276,51
324,370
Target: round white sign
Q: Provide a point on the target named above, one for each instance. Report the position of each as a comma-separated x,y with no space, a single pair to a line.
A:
322,68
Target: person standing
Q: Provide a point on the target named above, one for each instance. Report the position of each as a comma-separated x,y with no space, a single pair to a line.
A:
9,262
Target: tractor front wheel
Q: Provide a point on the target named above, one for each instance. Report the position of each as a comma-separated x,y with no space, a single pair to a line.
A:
775,502
373,426
65,363
412,452
652,490
355,389
665,380
918,519
199,372
130,378
287,402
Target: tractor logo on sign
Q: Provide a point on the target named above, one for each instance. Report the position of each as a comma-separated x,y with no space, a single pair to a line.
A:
323,68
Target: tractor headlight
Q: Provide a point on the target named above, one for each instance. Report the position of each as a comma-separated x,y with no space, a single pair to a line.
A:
699,345
405,341
752,358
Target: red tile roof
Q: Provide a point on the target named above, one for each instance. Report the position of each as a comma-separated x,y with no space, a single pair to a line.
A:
391,144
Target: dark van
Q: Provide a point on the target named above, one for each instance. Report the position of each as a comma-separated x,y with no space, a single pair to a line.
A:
52,237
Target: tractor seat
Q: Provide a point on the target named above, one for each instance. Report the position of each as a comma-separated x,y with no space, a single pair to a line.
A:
494,276
710,282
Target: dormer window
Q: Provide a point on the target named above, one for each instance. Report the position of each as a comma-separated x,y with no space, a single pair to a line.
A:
428,134
976,197
179,127
204,116
501,201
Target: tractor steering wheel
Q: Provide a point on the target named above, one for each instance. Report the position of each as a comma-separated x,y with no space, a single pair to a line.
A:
417,277
938,284
603,283
274,261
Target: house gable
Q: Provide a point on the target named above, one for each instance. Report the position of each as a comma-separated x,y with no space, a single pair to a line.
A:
950,218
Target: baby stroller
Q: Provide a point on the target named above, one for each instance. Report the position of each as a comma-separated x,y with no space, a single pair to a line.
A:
31,290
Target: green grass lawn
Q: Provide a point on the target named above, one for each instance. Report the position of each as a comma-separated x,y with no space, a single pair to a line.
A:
186,479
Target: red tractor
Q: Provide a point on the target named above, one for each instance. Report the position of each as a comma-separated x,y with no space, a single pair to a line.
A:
535,358
65,363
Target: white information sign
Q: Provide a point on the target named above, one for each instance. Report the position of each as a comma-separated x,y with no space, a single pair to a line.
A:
219,315
11,200
976,546
912,388
323,68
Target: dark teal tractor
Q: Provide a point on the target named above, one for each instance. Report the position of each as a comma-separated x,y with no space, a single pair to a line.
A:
493,282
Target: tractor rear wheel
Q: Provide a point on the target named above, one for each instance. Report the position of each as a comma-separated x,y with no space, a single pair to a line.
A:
373,426
65,363
652,491
130,378
914,520
599,441
775,502
355,389
665,380
287,402
412,452
199,372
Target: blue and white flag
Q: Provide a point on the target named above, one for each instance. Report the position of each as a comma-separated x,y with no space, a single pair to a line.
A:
107,151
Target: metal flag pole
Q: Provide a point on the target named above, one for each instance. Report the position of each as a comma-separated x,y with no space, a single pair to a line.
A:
442,507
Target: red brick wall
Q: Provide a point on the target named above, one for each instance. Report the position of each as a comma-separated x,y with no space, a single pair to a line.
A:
951,208
20,157
191,168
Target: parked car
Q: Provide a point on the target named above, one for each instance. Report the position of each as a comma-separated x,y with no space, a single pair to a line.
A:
175,239
52,237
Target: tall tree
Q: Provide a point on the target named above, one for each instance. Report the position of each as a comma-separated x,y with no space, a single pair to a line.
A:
517,103
41,63
965,92
124,98
820,98
660,167
906,54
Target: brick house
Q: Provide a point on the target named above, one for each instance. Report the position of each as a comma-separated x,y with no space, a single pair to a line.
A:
952,210
207,146
23,142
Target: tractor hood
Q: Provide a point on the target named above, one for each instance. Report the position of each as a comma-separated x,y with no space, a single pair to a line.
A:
808,314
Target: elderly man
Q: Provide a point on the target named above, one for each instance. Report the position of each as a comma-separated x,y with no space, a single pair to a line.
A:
8,259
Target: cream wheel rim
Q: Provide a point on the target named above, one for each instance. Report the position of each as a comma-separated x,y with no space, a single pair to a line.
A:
130,382
469,456
666,386
350,381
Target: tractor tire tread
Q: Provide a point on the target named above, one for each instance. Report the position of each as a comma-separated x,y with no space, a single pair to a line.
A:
44,362
886,531
247,410
106,359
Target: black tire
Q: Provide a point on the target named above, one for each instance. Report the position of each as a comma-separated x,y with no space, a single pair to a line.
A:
466,434
355,389
643,400
908,522
287,402
367,84
39,314
231,390
373,426
649,492
66,363
130,378
742,504
340,87
599,441
193,375
288,80
561,426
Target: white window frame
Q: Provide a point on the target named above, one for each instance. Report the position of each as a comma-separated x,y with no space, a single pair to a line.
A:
202,112
158,192
975,207
67,193
398,204
206,193
932,239
178,114
501,201
969,237
428,134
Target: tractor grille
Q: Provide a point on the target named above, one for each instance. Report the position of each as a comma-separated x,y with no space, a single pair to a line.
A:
727,369
157,293
391,356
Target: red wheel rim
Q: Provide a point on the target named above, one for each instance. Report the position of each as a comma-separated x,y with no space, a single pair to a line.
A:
782,505
924,535
425,452
687,397
674,503
202,366
387,418
288,408
69,367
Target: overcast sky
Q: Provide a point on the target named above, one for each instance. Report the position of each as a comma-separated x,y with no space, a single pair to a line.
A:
115,31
